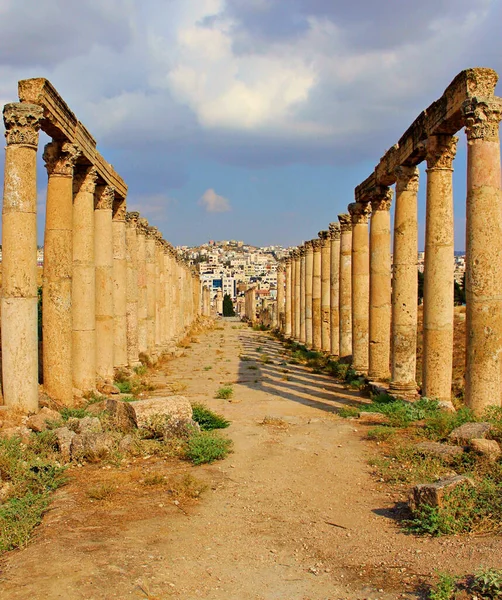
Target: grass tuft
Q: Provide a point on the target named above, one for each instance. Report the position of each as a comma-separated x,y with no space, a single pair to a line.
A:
206,447
207,419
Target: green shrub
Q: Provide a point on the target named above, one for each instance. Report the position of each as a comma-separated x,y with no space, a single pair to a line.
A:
207,419
77,413
140,370
440,424
347,412
487,583
206,447
380,433
124,386
224,393
444,589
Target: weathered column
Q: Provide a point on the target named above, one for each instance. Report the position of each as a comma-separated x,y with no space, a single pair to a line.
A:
60,159
151,290
83,296
103,251
345,304
142,289
293,294
437,356
380,285
19,260
484,250
280,296
303,329
309,281
219,304
119,283
334,276
297,296
405,283
159,294
316,295
325,291
288,327
132,288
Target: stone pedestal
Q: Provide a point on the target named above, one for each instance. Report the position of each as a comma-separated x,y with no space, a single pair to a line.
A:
405,283
345,303
303,329
280,296
484,250
380,285
60,159
119,283
288,327
334,235
325,291
83,299
132,288
19,260
316,295
103,251
439,270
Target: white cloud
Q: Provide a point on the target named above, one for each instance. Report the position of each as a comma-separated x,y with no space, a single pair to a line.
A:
213,202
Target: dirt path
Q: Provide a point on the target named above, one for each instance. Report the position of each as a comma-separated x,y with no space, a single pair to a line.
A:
293,514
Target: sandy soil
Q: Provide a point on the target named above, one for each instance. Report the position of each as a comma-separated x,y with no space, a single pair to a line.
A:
294,513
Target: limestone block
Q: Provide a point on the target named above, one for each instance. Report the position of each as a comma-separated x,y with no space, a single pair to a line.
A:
85,425
64,438
121,413
39,421
21,432
488,448
432,494
129,445
469,431
443,451
91,446
177,408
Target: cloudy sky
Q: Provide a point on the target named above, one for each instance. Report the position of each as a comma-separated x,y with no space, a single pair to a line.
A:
247,119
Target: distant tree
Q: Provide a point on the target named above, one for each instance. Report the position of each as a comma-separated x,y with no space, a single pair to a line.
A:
459,292
420,286
228,306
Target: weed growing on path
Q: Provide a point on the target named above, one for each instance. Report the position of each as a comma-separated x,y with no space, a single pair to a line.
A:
206,447
485,584
101,491
224,393
207,419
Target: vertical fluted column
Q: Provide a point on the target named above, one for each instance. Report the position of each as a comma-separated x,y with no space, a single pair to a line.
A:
19,260
345,304
83,296
151,289
288,326
159,293
142,289
280,296
380,284
303,329
132,288
309,281
60,159
297,296
293,294
334,288
325,291
316,295
439,269
484,250
119,283
404,283
103,251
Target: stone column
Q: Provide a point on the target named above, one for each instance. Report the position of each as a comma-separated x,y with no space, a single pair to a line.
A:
309,280
151,289
119,283
405,283
437,355
132,288
19,260
83,296
316,295
334,276
293,294
280,296
345,303
484,251
325,291
103,250
142,289
60,159
303,329
288,327
380,285
219,304
297,296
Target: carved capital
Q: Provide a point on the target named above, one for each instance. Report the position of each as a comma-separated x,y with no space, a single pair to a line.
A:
316,244
104,197
60,158
132,218
301,250
359,212
280,268
381,198
84,180
345,222
407,178
119,208
440,152
295,254
308,246
142,225
482,117
324,238
22,123
334,231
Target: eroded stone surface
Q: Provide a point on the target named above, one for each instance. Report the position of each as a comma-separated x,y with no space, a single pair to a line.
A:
469,431
432,494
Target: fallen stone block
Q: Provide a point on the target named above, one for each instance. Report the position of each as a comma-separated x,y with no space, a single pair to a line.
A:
432,494
64,437
21,432
85,425
176,408
39,421
121,413
443,451
91,446
488,448
468,431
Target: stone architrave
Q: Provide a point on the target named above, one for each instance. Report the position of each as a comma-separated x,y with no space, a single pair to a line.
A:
380,285
437,355
151,289
345,303
309,281
142,289
334,235
405,283
83,298
60,159
132,288
280,296
288,325
360,212
303,329
483,384
19,260
325,290
103,250
316,295
119,283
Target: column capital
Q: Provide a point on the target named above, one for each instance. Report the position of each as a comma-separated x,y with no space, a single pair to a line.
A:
381,198
104,197
301,250
132,218
84,179
142,225
407,178
334,231
440,152
287,262
482,117
295,254
359,212
308,246
119,208
316,244
345,222
22,123
280,268
60,158
323,238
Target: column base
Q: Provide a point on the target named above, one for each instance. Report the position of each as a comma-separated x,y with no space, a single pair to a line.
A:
378,376
407,390
360,370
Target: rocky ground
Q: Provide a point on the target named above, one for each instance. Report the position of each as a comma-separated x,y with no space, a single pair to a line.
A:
295,513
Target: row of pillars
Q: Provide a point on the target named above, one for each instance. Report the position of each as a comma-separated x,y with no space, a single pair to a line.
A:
112,287
342,294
